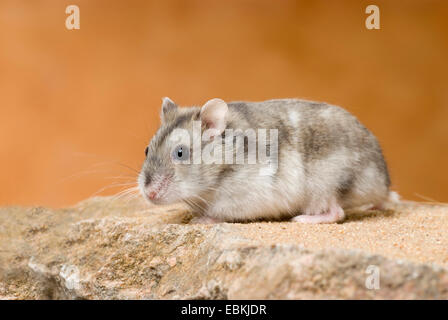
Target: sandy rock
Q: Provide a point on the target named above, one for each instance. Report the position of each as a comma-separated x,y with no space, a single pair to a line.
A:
104,249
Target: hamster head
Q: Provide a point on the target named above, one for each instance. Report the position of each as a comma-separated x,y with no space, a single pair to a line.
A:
173,170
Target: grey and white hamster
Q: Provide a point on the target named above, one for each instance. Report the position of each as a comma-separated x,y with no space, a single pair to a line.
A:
325,161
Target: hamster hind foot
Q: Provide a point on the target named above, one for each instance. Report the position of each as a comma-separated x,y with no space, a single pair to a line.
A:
334,214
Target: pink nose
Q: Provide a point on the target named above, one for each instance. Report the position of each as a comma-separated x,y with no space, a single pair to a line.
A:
152,195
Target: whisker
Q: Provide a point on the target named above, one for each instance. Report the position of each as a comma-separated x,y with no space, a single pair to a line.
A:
427,199
114,185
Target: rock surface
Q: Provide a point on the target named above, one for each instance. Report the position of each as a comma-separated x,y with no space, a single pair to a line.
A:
104,249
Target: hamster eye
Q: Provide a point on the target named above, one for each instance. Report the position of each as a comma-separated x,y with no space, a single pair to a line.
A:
146,151
181,152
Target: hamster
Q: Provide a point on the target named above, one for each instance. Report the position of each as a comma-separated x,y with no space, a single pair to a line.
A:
320,161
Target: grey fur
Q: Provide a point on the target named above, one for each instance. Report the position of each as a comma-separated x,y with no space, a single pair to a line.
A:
325,155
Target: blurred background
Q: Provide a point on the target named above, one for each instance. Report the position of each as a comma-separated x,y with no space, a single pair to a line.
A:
77,107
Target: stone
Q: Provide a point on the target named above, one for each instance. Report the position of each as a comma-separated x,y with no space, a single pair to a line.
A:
114,249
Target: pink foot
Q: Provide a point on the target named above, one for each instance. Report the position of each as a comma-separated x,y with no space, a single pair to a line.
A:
204,220
333,215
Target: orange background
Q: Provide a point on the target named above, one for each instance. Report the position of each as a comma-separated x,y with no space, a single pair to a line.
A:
78,105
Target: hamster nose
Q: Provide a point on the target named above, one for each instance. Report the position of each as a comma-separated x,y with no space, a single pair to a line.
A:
157,188
152,195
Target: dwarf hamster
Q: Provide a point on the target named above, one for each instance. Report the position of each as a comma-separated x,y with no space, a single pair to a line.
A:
317,160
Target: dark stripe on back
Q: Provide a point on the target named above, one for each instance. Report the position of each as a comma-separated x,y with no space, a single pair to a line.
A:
346,185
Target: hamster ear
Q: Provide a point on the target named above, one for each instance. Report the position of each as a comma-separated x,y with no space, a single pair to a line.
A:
169,109
213,116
